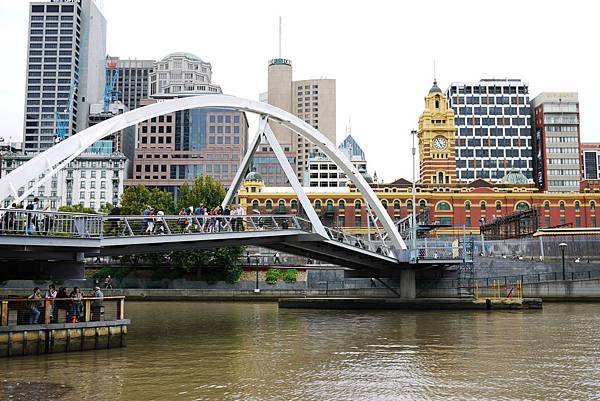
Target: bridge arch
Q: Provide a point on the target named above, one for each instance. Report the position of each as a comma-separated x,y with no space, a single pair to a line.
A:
57,157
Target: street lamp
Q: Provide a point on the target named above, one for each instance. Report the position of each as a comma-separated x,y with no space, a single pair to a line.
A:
256,289
414,198
562,246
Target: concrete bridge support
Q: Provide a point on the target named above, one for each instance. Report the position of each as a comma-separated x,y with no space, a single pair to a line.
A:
408,288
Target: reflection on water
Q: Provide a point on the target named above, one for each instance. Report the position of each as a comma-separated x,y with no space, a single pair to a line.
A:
236,351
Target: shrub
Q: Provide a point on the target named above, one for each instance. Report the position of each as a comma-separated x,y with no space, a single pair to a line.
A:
290,275
272,276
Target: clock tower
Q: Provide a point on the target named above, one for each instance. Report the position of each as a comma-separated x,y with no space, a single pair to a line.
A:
436,140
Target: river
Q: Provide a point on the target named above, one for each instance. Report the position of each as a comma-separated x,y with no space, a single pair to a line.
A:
244,351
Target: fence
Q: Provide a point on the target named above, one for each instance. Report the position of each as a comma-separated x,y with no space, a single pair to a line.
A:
17,310
541,247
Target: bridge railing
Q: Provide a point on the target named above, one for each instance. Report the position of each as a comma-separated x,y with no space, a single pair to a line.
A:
16,310
47,223
362,243
443,250
80,225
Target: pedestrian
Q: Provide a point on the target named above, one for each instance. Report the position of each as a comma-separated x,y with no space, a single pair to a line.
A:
240,213
199,217
114,220
108,282
76,304
160,222
51,295
97,305
248,257
35,304
145,213
276,258
61,303
150,222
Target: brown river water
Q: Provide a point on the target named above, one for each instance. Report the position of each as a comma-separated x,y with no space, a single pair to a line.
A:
244,351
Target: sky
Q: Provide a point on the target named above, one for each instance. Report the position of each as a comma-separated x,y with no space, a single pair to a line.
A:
381,54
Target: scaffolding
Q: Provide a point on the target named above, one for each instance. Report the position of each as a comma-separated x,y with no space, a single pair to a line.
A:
515,225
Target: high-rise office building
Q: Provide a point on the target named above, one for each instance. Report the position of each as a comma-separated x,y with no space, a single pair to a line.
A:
556,141
590,160
65,69
493,128
312,100
178,147
133,81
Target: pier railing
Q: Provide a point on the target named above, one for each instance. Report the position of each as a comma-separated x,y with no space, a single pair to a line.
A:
17,310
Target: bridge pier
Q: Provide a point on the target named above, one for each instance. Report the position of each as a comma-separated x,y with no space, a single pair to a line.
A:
408,286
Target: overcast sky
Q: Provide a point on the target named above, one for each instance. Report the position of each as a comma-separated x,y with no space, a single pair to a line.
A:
380,53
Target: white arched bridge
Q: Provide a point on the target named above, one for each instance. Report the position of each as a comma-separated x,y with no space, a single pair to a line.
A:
384,250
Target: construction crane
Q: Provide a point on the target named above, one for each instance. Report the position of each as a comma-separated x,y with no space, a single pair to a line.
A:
112,76
63,119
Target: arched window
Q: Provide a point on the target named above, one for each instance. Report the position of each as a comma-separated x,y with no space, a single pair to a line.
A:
294,204
522,206
467,206
441,177
384,203
443,206
317,204
281,206
561,206
329,207
357,205
498,206
592,206
341,204
577,206
254,204
437,102
547,206
396,204
422,204
482,206
269,204
409,205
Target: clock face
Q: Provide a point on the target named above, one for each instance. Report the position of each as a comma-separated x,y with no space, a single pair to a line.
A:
439,142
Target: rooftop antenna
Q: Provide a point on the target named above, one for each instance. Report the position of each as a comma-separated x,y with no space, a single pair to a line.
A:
280,36
349,127
434,77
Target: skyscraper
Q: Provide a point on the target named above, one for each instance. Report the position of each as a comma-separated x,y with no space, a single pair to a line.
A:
132,84
65,69
556,141
178,147
493,135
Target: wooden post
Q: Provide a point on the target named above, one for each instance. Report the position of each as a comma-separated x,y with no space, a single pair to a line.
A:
87,306
4,314
47,309
121,309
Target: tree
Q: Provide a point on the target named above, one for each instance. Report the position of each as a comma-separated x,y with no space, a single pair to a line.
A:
205,190
134,200
76,209
161,200
106,208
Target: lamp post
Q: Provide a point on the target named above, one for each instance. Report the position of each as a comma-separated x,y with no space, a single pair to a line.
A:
256,289
414,198
562,246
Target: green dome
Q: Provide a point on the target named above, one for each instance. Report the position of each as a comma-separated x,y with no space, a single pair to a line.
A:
253,176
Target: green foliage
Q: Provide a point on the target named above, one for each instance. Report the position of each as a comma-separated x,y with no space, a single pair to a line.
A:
210,264
272,276
290,275
115,273
205,190
137,197
76,209
106,208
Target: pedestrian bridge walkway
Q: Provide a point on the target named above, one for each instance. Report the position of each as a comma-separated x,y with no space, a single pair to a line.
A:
35,235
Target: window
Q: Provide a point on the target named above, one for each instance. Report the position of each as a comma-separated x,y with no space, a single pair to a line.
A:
498,206
269,204
396,204
357,221
547,206
357,205
281,206
482,206
317,204
443,206
467,206
294,204
422,205
522,206
592,206
255,205
445,220
384,203
342,204
561,206
577,207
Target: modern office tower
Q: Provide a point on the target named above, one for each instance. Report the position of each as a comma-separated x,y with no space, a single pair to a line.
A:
133,81
556,141
312,100
590,161
322,172
437,140
178,147
181,74
65,69
493,128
